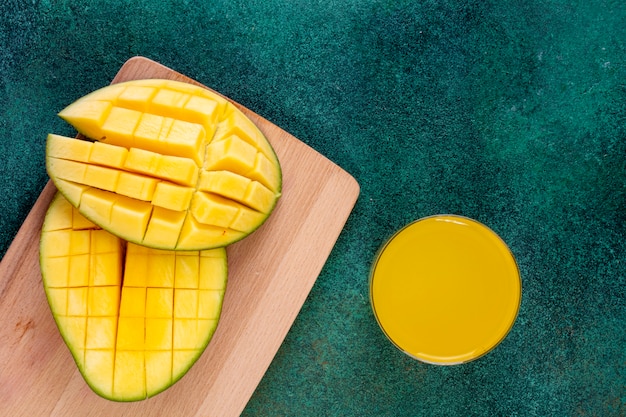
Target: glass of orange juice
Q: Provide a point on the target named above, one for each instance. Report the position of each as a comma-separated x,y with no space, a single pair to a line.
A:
445,289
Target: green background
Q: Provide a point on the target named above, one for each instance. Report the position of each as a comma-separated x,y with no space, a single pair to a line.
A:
508,112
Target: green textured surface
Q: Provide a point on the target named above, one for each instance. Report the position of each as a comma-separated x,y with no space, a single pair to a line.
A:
509,112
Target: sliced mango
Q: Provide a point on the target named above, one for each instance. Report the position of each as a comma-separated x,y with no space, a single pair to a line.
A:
167,165
135,319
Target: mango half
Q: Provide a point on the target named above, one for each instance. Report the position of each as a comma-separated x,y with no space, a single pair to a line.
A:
165,164
135,319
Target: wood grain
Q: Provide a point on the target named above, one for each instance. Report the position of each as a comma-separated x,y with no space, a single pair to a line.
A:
270,275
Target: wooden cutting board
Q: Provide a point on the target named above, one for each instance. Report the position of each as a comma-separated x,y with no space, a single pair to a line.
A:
271,273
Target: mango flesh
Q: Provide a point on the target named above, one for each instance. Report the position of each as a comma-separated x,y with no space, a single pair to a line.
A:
168,165
135,319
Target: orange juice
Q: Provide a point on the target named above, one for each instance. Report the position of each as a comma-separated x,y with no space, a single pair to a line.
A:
445,289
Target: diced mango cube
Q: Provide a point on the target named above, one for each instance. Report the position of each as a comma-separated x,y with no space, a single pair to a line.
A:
131,333
132,216
74,330
185,303
187,270
158,334
225,183
172,196
57,298
106,268
160,303
99,364
209,304
184,139
245,219
259,197
211,272
185,333
169,101
57,270
67,170
103,301
194,234
129,381
59,242
141,160
61,218
101,332
133,303
158,371
62,147
231,154
77,301
97,205
136,97
164,227
161,269
79,270
136,186
108,155
119,126
177,169
213,210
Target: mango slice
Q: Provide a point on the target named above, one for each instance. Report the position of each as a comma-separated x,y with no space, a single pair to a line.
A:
135,319
166,165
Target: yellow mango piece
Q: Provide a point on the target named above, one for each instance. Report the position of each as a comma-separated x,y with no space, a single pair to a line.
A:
134,215
158,371
164,227
119,126
135,319
136,186
97,205
160,303
60,218
107,155
80,222
103,177
101,332
58,300
103,301
100,364
159,142
73,330
59,270
180,361
90,116
209,304
231,154
211,268
62,147
213,210
72,191
172,196
77,301
135,97
185,303
161,269
187,270
133,302
130,333
158,334
129,379
67,170
79,270
236,123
